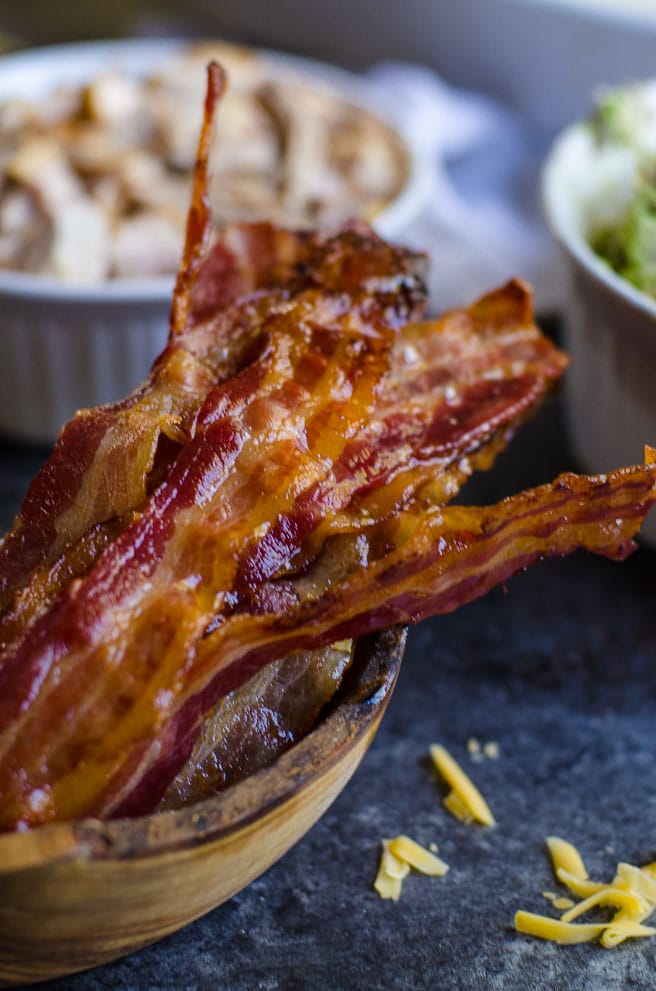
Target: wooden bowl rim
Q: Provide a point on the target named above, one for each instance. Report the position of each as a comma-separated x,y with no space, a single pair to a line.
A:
361,701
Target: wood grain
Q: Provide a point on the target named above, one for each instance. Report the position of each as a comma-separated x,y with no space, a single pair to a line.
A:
75,895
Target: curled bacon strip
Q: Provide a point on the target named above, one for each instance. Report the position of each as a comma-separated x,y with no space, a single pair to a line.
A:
242,499
457,389
278,483
106,459
281,422
418,565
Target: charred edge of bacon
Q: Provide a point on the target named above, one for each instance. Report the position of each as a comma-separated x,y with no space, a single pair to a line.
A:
199,217
454,557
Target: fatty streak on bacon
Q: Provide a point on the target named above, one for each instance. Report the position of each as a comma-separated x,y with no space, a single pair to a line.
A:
459,387
282,422
415,566
103,461
468,374
101,464
206,539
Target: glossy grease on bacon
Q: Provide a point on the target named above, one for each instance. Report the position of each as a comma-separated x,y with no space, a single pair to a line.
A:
108,459
254,724
279,482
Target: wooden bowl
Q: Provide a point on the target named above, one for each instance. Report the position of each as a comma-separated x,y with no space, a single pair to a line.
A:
77,894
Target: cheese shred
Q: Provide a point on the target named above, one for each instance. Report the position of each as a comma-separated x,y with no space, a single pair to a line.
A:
411,853
565,856
390,875
464,800
398,856
558,932
631,893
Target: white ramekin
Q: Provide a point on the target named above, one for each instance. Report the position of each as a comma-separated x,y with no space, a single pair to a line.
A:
610,326
66,347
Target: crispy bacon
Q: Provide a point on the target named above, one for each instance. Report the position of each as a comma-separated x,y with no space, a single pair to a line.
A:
457,389
241,500
418,565
101,465
106,459
278,483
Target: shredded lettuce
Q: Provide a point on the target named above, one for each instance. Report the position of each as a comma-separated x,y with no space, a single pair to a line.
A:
626,118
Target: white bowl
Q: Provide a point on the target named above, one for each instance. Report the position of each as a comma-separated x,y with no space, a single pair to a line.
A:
64,347
544,57
610,326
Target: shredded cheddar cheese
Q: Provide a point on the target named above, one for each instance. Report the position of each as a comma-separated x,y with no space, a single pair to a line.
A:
632,893
633,903
617,932
478,752
464,800
562,903
559,932
417,856
491,750
398,856
581,887
390,875
566,856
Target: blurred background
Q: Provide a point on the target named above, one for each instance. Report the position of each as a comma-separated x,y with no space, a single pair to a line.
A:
543,57
481,88
497,80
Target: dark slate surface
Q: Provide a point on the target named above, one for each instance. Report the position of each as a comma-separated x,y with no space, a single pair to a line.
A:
559,669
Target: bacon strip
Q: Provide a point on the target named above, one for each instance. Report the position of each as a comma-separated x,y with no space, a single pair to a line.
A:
282,422
104,460
277,484
183,545
199,217
458,388
416,566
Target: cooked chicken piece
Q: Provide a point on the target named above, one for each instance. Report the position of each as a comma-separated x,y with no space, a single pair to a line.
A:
145,244
81,242
286,152
42,166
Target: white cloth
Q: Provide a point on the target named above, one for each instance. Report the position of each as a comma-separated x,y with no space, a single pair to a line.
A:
482,223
